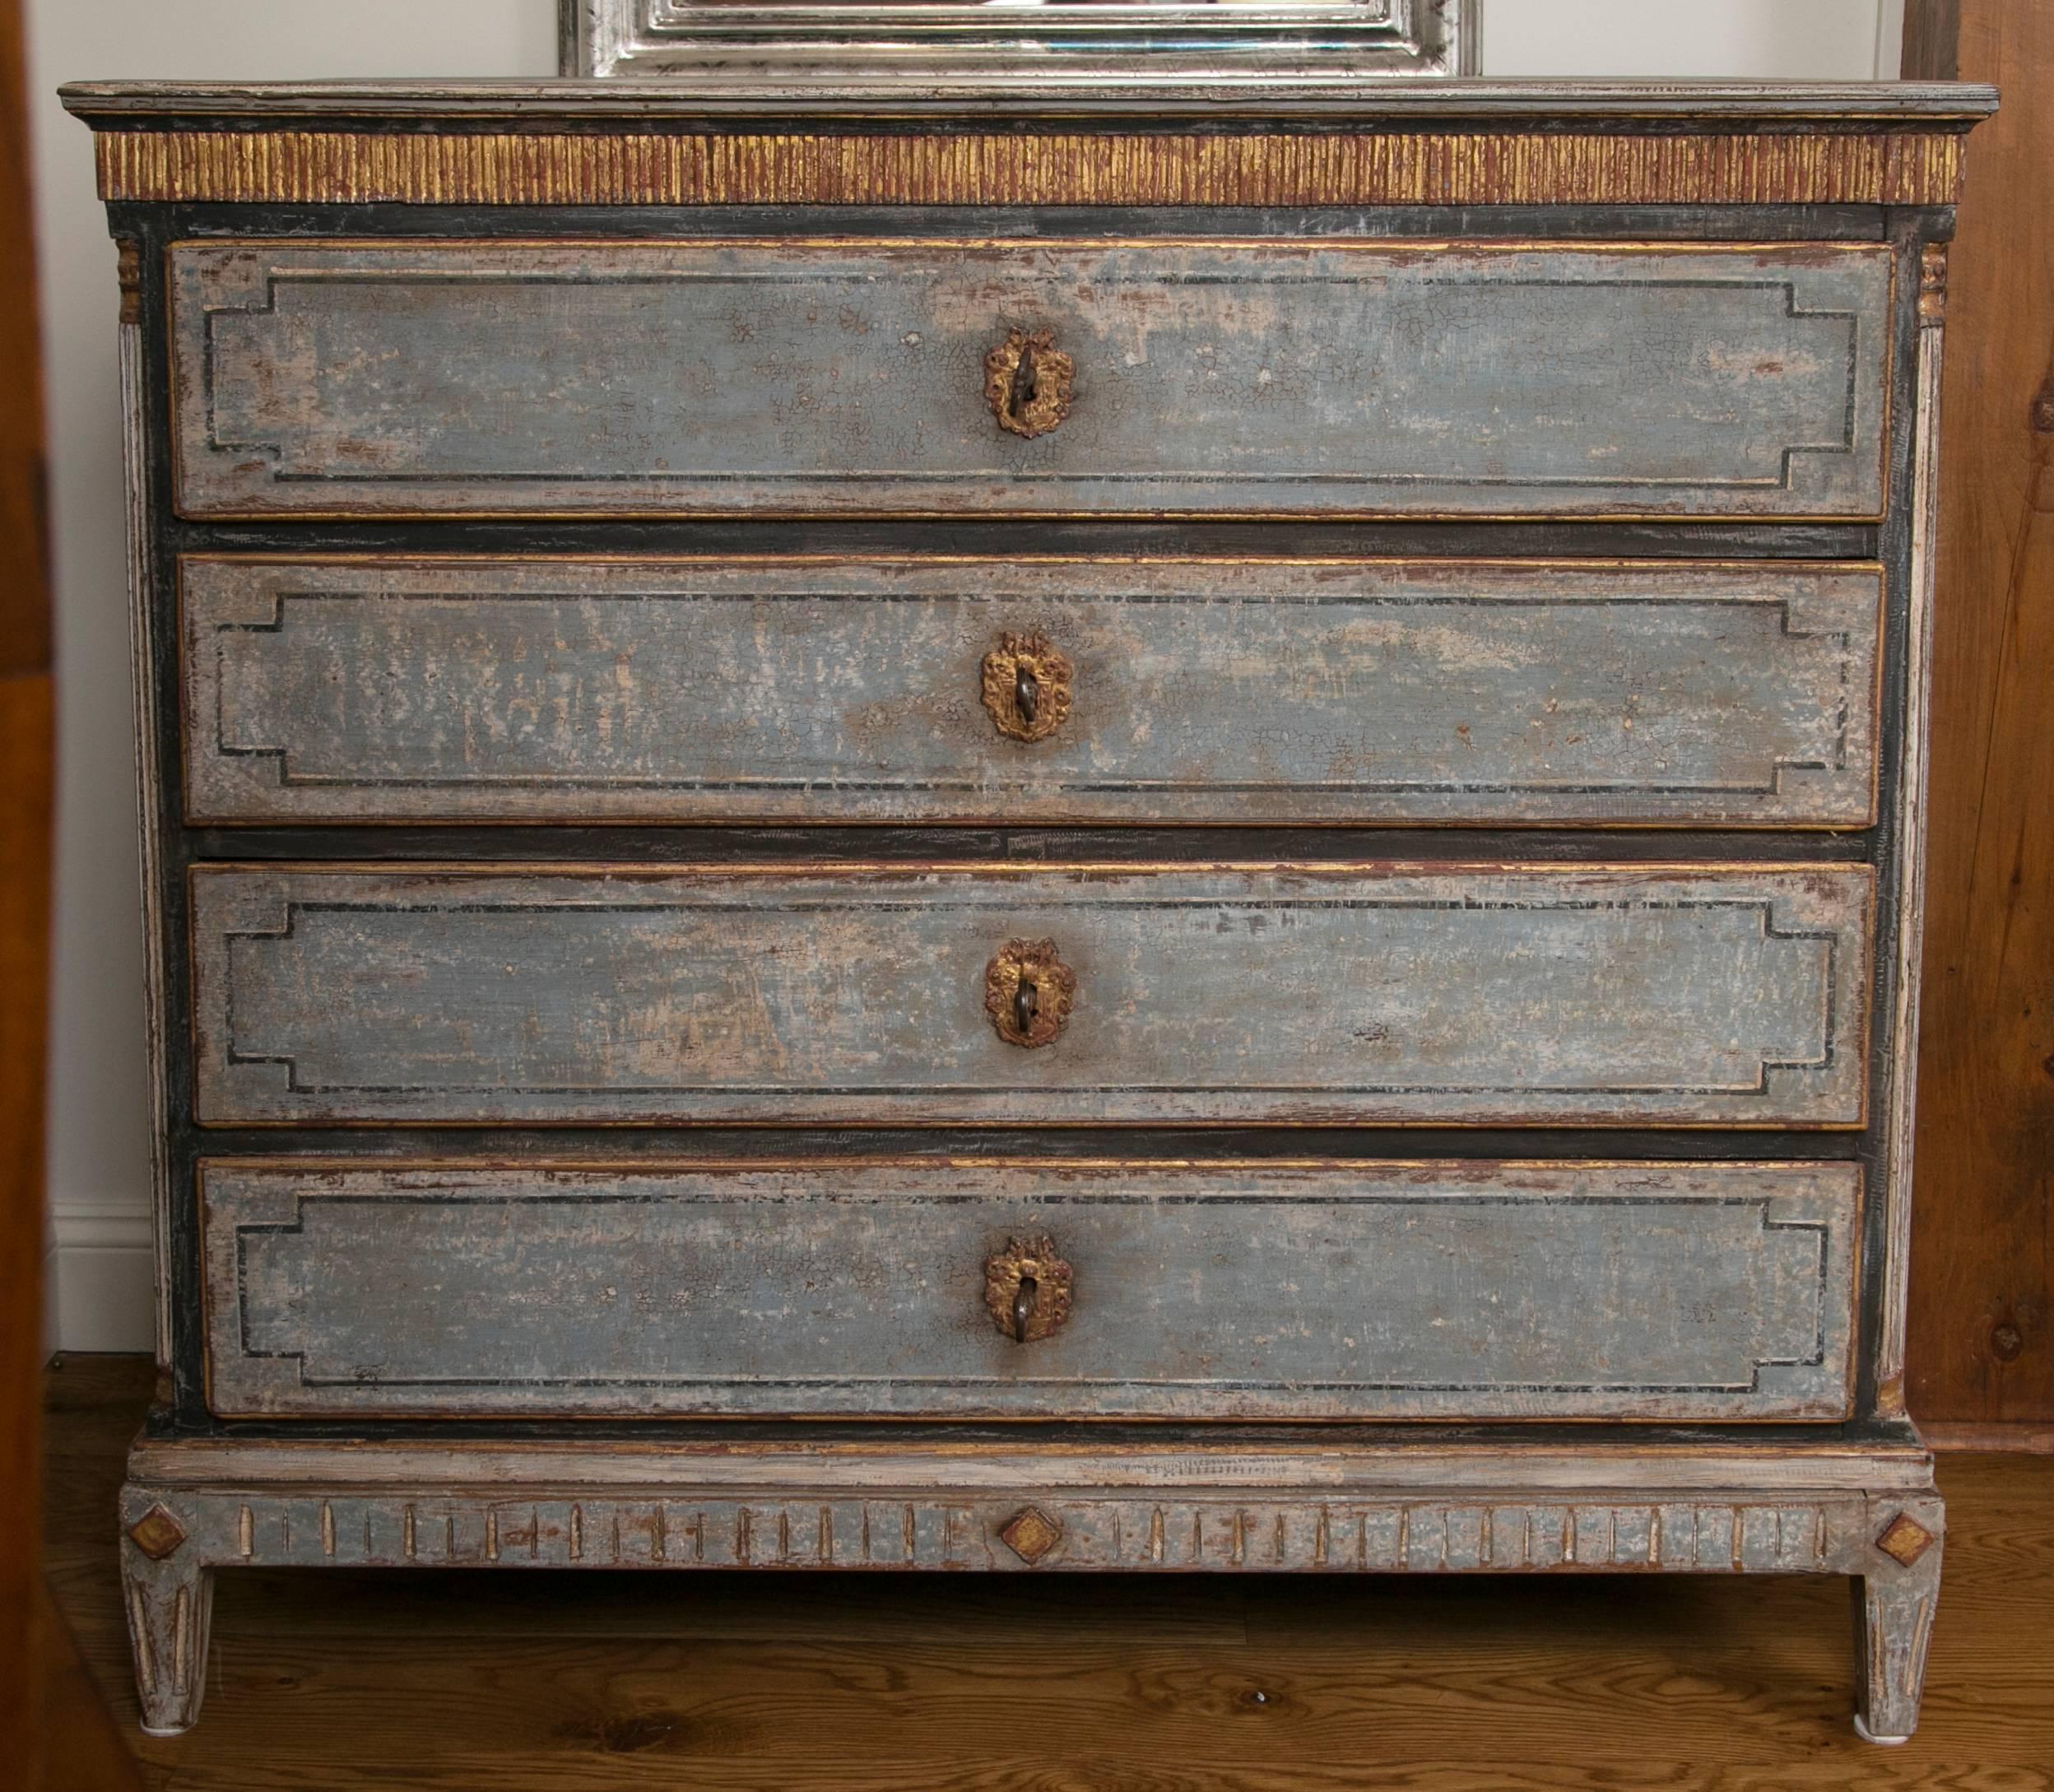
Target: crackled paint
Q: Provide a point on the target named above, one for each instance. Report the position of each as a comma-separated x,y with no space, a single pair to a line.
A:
1305,1292
537,689
1252,377
1299,993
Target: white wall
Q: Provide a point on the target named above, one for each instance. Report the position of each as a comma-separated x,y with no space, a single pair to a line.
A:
1765,40
98,1175
99,1169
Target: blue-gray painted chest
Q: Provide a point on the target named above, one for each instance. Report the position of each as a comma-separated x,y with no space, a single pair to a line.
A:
1177,830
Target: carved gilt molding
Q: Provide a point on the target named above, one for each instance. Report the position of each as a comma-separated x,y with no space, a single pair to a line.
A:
1403,167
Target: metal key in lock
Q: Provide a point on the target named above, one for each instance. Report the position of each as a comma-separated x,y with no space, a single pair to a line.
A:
1029,1289
1028,992
1024,1307
1026,683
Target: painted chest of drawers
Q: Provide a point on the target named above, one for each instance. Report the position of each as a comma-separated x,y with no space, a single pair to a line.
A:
1244,791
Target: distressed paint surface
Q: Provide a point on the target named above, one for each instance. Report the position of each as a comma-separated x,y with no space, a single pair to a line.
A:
410,377
1265,378
1894,1605
539,690
1740,1530
1540,995
1455,1290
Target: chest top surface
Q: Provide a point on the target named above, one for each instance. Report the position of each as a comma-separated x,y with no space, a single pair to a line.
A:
1408,142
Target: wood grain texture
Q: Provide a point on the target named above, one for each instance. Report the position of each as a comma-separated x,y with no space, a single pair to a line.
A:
26,745
534,689
459,1679
1440,1290
1932,39
87,1750
1259,378
25,607
1558,994
1981,1331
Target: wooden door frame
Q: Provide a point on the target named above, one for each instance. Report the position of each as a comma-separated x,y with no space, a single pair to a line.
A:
1932,39
1981,1343
26,712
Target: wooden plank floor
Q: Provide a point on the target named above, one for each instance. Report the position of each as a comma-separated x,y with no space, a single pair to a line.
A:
602,1683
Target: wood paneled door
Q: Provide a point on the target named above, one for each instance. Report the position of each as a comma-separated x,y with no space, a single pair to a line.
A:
26,712
1981,1330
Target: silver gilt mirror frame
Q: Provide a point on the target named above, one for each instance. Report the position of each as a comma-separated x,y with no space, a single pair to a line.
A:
1022,47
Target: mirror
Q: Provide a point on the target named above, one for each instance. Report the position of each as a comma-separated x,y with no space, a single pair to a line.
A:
1019,45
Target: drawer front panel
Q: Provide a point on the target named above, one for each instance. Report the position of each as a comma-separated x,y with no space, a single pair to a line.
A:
1546,995
1445,1290
537,690
394,379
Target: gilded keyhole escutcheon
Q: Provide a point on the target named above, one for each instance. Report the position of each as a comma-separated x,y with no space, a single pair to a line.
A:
1028,1289
1027,381
1027,687
1028,992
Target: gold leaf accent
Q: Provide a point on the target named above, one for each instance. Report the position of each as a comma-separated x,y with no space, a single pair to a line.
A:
1932,283
157,1535
1035,962
1052,672
1904,1539
1476,167
1031,1534
1055,1283
128,257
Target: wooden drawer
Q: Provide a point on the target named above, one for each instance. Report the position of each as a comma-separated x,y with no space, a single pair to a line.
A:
1298,1291
1537,995
851,690
388,379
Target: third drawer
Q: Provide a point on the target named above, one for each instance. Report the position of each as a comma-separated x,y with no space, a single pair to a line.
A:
1063,995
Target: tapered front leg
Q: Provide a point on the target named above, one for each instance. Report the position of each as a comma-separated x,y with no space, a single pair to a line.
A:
169,1597
1894,1601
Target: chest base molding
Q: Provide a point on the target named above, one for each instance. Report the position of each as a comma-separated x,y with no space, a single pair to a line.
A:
1311,1503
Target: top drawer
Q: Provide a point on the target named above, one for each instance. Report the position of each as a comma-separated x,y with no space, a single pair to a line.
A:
388,379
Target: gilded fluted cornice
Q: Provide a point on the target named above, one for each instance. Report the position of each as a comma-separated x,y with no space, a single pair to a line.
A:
1402,167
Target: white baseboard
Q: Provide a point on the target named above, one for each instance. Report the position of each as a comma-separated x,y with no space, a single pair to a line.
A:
99,1280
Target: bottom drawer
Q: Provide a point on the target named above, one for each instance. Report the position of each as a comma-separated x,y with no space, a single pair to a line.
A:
1308,1291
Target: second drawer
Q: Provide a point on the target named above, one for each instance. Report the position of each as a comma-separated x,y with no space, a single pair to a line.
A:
986,691
1544,994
